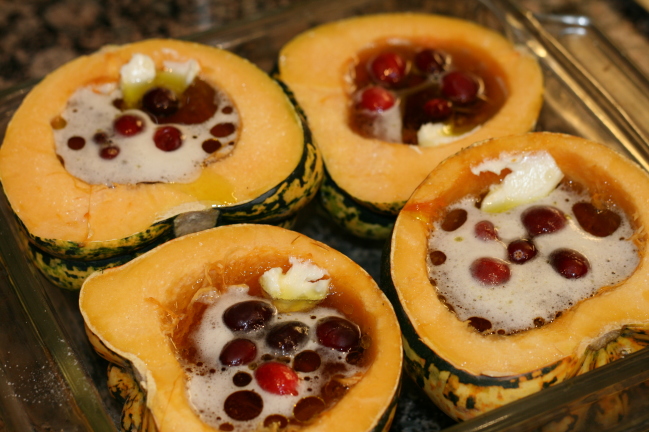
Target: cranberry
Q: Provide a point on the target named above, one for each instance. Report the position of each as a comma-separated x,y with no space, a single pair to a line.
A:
521,251
543,220
109,152
128,125
211,145
277,378
490,271
243,405
168,138
238,352
430,61
307,361
485,231
376,99
438,109
76,143
460,87
248,315
338,333
287,337
454,219
598,222
569,263
223,129
160,102
388,68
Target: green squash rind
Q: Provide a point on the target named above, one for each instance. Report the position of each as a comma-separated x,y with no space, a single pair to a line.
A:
462,395
355,218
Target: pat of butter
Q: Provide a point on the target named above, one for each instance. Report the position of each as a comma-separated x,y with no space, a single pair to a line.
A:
533,176
434,134
139,70
303,281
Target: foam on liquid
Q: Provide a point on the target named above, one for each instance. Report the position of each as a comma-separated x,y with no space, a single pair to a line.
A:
208,391
535,289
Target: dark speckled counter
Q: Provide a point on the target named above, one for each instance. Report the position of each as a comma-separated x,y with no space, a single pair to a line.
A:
36,36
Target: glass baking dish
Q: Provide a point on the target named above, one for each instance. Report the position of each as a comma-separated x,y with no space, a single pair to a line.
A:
51,379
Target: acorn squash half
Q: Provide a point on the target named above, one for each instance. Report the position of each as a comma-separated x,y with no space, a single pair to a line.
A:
75,227
466,372
369,180
131,312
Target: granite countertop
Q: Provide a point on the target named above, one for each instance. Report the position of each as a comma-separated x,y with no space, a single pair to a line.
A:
36,36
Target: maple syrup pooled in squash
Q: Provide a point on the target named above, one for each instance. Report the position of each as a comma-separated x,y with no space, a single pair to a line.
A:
250,365
165,135
411,93
511,271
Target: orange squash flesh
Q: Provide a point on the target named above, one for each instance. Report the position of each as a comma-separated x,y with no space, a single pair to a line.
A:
129,308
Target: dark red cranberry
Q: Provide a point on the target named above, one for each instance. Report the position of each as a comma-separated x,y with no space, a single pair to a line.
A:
307,361
543,220
238,352
109,152
437,257
388,68
338,333
521,251
460,87
277,378
438,109
287,337
76,142
128,125
430,61
595,221
243,405
160,102
223,129
490,271
211,145
248,315
454,219
485,231
168,138
376,99
307,408
569,263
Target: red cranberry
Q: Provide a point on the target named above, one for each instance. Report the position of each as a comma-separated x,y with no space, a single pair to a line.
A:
388,68
459,87
338,333
569,263
160,102
543,220
76,143
168,138
128,125
490,271
109,152
277,378
248,315
376,99
430,61
238,352
454,219
438,109
521,251
485,231
598,222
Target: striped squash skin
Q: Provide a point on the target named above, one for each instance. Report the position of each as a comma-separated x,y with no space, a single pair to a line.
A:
463,396
354,217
